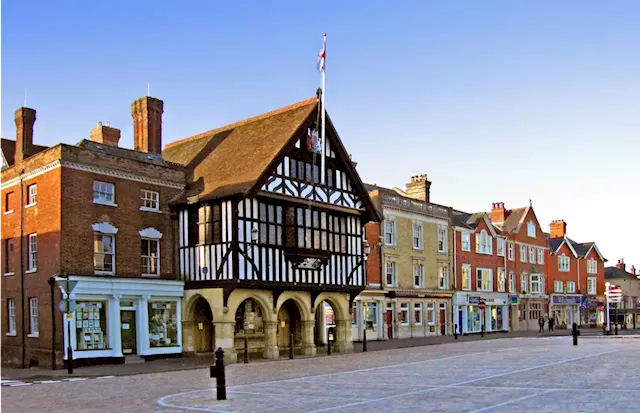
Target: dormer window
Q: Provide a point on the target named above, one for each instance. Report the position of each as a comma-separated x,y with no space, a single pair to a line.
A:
531,229
563,263
484,243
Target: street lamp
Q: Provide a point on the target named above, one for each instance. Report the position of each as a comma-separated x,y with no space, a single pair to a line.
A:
365,307
254,235
606,303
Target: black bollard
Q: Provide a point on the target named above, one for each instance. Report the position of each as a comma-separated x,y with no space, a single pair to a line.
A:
246,350
364,339
221,382
575,333
455,332
291,346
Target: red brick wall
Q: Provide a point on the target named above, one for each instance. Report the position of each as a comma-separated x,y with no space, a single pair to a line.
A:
372,233
571,275
539,241
476,260
600,275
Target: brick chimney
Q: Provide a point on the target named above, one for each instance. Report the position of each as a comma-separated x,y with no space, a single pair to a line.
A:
558,228
498,213
147,124
25,119
105,134
419,188
633,270
621,265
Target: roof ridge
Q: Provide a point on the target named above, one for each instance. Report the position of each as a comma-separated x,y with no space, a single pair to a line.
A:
242,122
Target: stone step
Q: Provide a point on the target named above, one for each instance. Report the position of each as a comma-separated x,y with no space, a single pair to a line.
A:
133,359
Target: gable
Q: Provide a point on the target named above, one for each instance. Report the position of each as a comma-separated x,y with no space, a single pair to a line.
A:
484,224
566,250
594,253
523,226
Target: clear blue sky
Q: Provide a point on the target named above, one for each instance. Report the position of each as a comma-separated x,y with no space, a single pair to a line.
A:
494,100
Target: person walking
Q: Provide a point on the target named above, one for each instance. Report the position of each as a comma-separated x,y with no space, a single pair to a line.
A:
541,323
552,322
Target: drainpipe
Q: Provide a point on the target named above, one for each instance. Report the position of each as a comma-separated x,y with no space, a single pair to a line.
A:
455,261
52,282
23,355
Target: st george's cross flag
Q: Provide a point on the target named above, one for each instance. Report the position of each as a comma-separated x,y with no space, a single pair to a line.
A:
322,55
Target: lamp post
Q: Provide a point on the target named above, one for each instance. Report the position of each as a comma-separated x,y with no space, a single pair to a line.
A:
365,307
606,304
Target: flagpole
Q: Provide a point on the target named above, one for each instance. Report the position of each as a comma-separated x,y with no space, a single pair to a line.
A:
322,130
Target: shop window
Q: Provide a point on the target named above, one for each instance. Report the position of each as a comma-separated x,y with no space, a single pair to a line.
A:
163,324
372,314
474,319
91,325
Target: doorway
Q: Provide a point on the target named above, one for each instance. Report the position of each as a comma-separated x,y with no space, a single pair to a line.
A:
128,331
390,320
443,319
289,322
203,322
325,322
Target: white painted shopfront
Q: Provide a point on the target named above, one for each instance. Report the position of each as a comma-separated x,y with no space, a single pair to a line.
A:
565,309
368,312
470,318
116,317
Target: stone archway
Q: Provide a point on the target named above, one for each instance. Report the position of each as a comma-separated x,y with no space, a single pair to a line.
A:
340,318
326,318
203,331
289,328
250,323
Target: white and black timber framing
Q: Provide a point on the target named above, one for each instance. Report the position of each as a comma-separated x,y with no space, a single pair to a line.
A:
288,232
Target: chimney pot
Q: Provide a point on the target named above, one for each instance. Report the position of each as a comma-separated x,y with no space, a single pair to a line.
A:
105,134
497,212
147,124
558,228
25,118
419,188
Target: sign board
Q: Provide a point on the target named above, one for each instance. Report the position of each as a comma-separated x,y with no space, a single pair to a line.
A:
515,300
309,264
69,316
205,270
63,285
482,305
474,299
566,299
62,306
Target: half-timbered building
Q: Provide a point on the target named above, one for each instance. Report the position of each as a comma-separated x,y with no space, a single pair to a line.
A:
271,241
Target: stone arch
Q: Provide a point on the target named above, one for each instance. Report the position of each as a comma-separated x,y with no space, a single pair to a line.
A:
339,305
263,298
302,300
198,328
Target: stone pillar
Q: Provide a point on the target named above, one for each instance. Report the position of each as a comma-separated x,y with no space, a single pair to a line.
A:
308,346
224,338
188,331
344,339
271,350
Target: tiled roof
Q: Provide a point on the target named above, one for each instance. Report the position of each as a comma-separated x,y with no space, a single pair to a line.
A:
9,150
150,158
615,272
515,216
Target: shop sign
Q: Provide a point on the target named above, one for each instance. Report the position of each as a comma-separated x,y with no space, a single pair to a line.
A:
514,299
566,299
473,299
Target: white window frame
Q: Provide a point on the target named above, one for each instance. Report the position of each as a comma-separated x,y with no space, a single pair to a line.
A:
102,191
512,282
484,243
500,247
431,314
592,266
442,240
418,243
524,283
443,277
418,275
390,271
465,241
149,257
523,253
531,229
11,311
571,287
564,263
502,280
466,277
417,309
484,279
592,282
510,248
148,197
390,232
34,328
32,263
558,287
32,195
404,309
536,281
532,255
540,255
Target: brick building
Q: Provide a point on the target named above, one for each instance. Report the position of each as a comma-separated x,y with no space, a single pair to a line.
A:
96,215
627,312
576,279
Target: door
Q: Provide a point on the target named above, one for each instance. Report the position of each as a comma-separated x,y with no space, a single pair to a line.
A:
443,321
128,331
284,328
460,322
390,323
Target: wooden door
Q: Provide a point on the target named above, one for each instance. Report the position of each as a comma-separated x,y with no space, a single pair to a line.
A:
284,328
443,321
128,331
389,322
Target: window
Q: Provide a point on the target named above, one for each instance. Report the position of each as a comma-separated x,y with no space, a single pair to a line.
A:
557,286
442,240
389,232
210,224
8,255
91,325
571,287
535,311
372,313
8,202
466,277
512,282
33,317
500,247
536,284
466,241
592,266
150,251
33,253
32,195
391,274
540,256
502,280
417,236
523,253
104,253
354,314
484,243
591,285
103,193
163,323
404,314
531,229
511,256
11,316
484,279
532,255
443,277
417,313
563,263
150,200
524,283
431,314
418,275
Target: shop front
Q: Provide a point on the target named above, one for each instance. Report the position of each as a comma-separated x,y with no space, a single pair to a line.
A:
116,317
565,309
470,318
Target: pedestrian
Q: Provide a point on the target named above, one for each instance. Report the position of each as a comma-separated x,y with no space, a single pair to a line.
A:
552,322
541,323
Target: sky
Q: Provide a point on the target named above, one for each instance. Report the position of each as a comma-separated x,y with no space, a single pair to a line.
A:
494,100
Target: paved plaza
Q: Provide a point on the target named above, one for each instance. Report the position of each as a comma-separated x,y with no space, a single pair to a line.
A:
601,374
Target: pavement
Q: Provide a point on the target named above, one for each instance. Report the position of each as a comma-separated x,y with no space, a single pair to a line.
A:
515,374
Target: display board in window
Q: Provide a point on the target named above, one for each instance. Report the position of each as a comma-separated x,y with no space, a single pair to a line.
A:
91,326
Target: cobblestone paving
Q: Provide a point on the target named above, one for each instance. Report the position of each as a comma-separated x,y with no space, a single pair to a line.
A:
507,375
